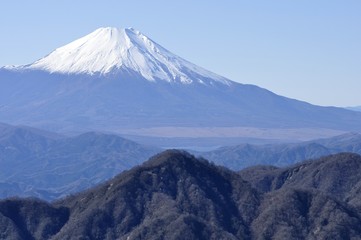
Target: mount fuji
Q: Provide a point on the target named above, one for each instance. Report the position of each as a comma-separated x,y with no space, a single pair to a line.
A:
120,80
110,50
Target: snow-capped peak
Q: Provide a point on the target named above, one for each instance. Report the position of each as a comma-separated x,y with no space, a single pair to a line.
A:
110,49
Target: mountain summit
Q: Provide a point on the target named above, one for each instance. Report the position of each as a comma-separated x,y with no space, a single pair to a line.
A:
119,80
110,50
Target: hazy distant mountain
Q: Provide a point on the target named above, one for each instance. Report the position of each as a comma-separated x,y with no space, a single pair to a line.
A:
42,164
358,108
245,155
49,166
119,79
176,196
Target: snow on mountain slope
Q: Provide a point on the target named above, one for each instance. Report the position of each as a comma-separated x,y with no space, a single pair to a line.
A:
106,81
107,50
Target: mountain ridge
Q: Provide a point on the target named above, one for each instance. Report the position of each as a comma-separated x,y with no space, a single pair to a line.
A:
337,175
246,155
177,196
40,165
355,108
46,165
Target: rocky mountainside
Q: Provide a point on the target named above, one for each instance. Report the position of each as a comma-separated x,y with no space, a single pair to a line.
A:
176,196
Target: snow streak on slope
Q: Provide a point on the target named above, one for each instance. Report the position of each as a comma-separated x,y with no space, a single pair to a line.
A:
107,50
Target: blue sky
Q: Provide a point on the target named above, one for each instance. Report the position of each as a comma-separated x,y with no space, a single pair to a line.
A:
309,50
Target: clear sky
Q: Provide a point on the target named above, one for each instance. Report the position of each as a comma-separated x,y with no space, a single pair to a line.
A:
304,49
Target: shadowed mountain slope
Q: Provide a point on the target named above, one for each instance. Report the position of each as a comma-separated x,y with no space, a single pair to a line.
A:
338,175
173,195
176,196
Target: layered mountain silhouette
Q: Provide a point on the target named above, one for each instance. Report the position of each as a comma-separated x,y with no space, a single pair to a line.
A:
176,196
246,155
357,108
115,79
48,166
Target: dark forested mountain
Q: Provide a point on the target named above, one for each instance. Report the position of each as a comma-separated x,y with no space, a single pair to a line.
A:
176,196
46,165
119,80
245,155
338,175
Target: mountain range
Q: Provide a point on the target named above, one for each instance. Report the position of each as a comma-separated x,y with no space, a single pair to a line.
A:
120,80
47,165
177,196
246,155
50,166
